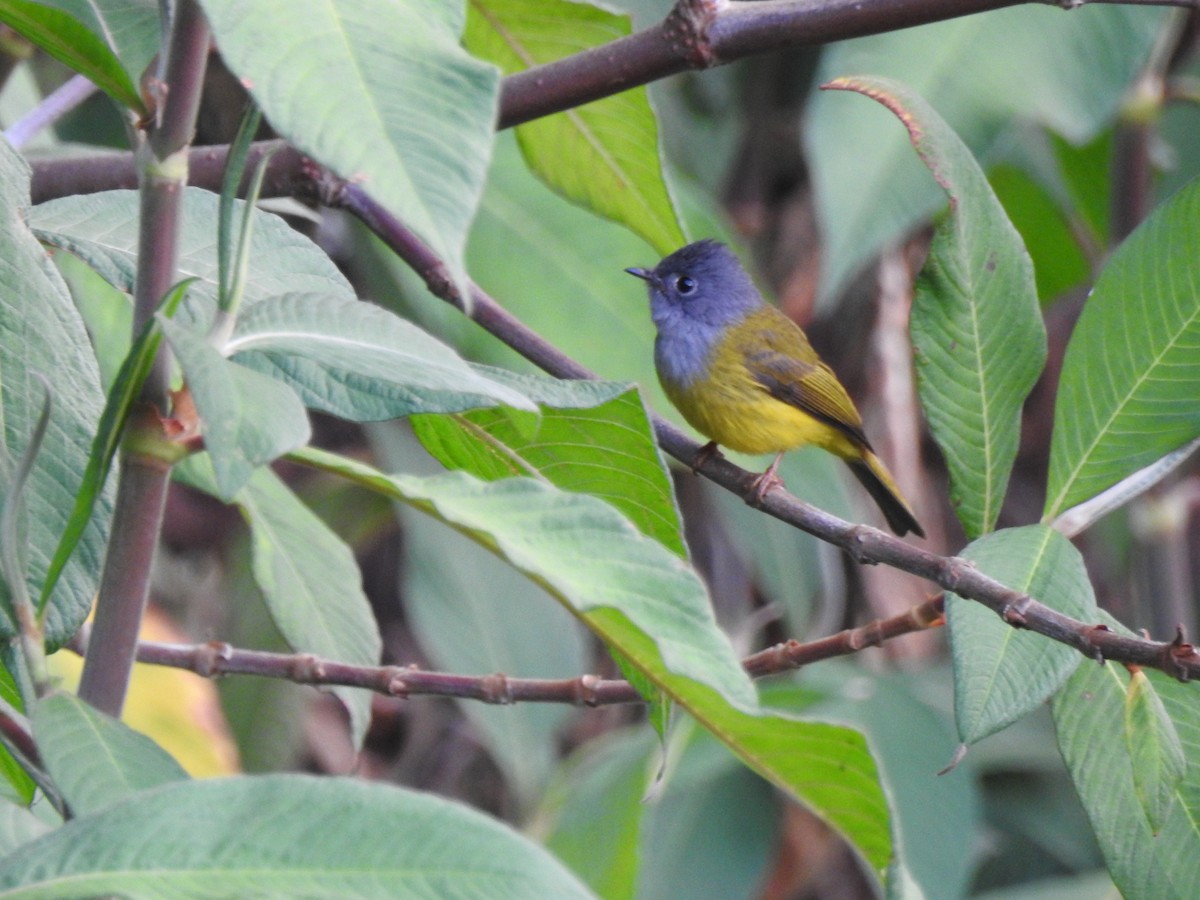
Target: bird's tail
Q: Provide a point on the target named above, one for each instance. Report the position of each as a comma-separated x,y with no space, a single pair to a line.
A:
874,476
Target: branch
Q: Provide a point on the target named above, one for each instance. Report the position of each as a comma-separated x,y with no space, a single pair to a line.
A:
216,658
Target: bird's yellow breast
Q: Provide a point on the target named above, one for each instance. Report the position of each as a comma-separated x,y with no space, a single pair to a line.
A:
729,406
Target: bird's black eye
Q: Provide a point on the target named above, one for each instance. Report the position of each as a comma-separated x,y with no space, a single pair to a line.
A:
685,284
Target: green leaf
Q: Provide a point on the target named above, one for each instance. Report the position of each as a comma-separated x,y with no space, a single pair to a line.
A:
976,327
41,333
95,760
643,601
285,835
870,192
109,41
247,419
603,155
308,577
1000,672
102,229
357,361
411,116
604,448
1155,750
1090,722
1131,374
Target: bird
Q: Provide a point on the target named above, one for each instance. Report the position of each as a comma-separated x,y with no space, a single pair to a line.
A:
745,376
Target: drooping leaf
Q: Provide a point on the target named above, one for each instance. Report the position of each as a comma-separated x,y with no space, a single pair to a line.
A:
308,578
95,760
870,191
603,155
285,835
358,361
1000,672
1131,374
977,330
410,116
41,333
102,229
643,601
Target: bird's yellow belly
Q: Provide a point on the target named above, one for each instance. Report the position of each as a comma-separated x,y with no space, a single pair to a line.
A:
729,407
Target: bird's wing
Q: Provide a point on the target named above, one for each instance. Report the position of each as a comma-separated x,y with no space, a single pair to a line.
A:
777,362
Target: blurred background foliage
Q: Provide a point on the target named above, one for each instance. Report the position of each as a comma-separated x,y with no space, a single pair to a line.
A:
814,189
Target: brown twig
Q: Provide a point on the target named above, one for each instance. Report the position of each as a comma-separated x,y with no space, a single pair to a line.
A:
216,658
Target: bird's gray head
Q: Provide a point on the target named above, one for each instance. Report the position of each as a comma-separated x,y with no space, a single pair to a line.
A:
701,284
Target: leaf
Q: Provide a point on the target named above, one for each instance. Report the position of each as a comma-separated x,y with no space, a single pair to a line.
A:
1000,672
1131,373
247,419
1154,748
976,327
411,117
95,760
308,577
41,333
1090,722
285,835
102,229
868,189
109,41
603,155
357,361
606,449
644,602
18,826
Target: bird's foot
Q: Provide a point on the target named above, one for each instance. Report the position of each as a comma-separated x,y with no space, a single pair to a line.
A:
762,485
703,455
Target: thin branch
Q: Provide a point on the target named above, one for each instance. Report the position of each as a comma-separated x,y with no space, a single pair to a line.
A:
66,97
216,658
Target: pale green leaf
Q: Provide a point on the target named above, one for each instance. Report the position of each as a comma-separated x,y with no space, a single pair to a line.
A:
976,327
379,91
1131,374
1000,672
603,155
1090,723
102,229
358,361
285,836
95,760
41,334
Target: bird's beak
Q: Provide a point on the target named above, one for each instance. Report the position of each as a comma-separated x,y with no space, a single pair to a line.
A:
644,274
